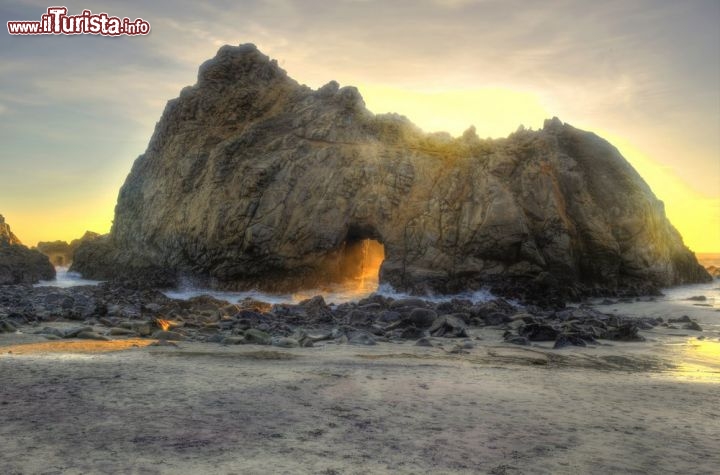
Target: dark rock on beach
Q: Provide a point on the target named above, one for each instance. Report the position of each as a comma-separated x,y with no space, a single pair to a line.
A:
448,326
576,327
625,331
537,331
569,339
18,264
257,337
693,326
109,311
421,318
516,339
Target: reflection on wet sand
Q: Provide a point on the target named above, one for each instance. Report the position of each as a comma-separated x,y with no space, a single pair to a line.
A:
698,360
73,346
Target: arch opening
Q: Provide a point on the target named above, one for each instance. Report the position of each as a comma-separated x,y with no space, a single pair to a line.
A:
359,265
361,255
352,270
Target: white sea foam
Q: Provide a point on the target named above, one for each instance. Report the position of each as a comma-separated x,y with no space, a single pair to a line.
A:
709,290
64,279
335,294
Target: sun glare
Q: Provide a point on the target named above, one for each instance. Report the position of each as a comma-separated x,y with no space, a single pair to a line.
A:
66,222
699,361
493,111
496,112
695,215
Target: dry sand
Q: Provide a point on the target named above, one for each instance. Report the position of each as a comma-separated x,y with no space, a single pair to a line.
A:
97,407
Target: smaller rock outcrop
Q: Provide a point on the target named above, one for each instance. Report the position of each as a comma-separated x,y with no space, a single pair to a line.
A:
6,235
714,271
18,264
61,253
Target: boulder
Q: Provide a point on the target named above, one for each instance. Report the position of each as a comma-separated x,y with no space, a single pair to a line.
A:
285,342
516,340
424,342
7,327
692,326
421,317
360,337
409,333
91,335
627,331
18,264
569,339
316,309
683,319
74,332
538,331
257,337
448,326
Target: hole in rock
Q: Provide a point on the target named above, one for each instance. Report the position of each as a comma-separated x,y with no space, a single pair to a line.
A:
359,265
350,273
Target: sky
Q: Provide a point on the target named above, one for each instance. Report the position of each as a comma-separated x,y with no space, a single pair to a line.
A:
75,111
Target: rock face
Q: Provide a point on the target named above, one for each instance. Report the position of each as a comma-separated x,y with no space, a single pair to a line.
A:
6,235
251,179
18,264
61,253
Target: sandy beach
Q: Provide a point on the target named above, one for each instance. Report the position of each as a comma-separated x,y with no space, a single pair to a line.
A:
360,237
480,407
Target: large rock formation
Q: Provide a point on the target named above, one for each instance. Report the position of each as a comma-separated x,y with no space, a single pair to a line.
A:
251,179
18,264
61,253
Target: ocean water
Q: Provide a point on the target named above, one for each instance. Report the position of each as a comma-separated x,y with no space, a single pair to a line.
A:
353,291
687,294
695,355
64,279
335,294
338,293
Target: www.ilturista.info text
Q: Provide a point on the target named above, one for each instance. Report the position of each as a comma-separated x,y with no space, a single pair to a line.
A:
57,22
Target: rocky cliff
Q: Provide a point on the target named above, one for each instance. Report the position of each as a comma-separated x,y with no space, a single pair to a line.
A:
61,253
18,264
252,180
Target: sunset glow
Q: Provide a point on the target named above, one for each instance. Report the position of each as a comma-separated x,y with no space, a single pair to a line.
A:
495,112
643,75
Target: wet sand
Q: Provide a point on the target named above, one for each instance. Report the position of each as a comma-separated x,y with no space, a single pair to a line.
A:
112,407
